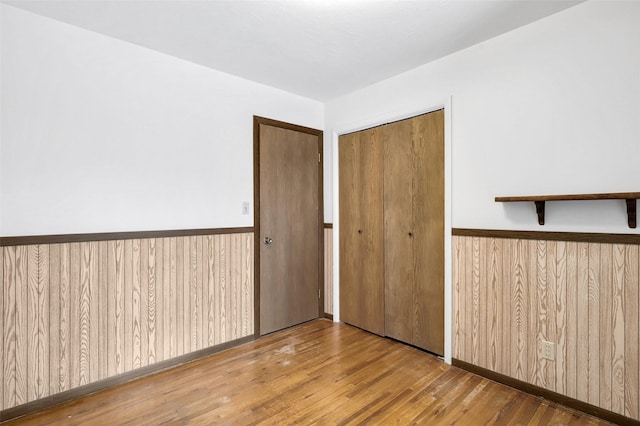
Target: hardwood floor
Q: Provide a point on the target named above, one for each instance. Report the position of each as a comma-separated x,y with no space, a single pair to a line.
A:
316,373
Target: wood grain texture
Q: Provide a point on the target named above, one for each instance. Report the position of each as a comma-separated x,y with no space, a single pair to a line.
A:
76,313
631,338
2,296
581,296
289,213
8,326
413,170
31,240
317,373
578,237
328,271
362,230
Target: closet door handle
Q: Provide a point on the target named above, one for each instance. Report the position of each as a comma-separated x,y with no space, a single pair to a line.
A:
410,234
267,240
359,231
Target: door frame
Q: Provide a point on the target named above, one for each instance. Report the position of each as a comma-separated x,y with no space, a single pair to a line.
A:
257,122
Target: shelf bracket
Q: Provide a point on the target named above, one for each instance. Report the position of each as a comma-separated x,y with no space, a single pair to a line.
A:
540,211
631,212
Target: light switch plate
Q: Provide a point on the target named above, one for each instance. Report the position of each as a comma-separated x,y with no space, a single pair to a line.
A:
245,207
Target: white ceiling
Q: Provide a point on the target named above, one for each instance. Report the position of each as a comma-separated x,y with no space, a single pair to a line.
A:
320,49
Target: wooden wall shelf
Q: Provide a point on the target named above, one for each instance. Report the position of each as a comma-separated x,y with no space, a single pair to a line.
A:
539,200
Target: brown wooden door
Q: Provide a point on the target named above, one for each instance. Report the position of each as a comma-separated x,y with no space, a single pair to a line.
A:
361,231
289,225
414,231
399,190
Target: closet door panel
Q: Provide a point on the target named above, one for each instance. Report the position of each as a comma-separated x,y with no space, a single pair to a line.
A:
428,242
361,231
350,259
399,189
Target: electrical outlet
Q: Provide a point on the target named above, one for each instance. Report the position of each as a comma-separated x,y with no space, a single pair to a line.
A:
548,350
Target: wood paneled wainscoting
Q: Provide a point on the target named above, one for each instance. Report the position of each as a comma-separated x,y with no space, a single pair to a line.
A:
82,309
512,291
328,270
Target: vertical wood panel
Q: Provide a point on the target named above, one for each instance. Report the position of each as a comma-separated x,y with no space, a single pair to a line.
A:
631,327
560,284
103,284
195,295
572,320
230,300
482,287
237,273
65,317
234,274
9,328
328,271
33,358
494,299
202,324
468,298
248,285
186,286
458,322
21,320
582,318
44,304
226,288
605,325
144,302
120,307
159,299
151,304
128,305
551,312
537,311
85,312
215,285
93,352
112,353
594,324
507,284
74,313
475,332
203,262
172,281
179,301
54,319
2,296
135,308
519,311
618,334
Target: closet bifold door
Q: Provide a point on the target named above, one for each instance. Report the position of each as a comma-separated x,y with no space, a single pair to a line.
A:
361,230
414,231
399,189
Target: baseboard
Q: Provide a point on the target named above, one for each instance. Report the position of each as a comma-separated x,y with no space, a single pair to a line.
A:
328,316
575,404
88,389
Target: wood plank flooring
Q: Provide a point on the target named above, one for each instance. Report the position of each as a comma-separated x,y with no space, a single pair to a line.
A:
316,373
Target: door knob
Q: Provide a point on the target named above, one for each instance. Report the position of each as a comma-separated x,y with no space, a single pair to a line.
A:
267,240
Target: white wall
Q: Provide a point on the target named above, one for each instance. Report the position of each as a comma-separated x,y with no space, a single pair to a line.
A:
100,135
552,107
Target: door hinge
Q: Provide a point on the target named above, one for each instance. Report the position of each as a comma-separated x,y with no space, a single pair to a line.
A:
318,293
319,158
